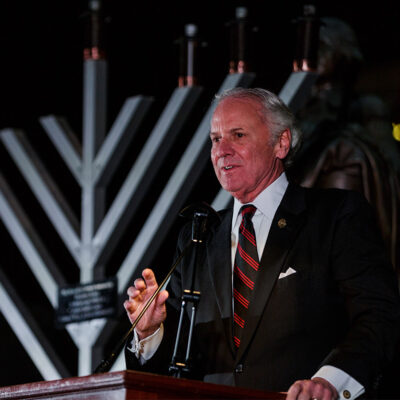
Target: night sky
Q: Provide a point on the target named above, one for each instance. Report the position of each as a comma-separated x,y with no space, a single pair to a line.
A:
42,42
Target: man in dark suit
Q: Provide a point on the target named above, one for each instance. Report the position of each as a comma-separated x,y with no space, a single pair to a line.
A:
321,318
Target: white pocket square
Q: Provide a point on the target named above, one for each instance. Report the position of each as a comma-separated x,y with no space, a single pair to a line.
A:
288,272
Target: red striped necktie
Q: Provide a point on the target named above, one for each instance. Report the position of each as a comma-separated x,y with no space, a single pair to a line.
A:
245,270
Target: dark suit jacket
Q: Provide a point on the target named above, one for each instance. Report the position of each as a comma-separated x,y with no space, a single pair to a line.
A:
341,307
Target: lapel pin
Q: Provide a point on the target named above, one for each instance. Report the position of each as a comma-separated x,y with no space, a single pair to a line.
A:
282,223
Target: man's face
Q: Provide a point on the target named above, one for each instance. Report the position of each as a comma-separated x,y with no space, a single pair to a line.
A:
244,159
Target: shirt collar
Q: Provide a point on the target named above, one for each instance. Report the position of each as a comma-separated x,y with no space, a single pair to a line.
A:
267,201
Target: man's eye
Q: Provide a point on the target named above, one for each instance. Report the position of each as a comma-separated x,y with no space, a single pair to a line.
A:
215,139
239,134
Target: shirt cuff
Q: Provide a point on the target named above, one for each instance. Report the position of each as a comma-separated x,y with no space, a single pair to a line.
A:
144,349
347,387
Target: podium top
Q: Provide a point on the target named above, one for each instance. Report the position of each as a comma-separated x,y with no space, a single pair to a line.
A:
129,385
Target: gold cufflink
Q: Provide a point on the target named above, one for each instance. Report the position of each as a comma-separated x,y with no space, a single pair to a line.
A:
346,394
282,223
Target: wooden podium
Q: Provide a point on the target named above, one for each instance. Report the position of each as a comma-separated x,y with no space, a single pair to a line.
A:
129,385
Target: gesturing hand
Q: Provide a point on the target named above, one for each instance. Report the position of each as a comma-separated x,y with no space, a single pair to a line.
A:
138,297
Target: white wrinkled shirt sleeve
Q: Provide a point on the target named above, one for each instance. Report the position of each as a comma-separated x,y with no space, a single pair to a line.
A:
144,349
346,386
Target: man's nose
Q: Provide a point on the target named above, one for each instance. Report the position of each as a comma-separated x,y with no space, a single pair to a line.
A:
224,148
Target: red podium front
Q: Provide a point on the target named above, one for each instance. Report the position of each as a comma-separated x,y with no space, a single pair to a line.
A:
129,385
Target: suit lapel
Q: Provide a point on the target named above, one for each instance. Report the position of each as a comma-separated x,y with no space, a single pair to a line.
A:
220,270
285,226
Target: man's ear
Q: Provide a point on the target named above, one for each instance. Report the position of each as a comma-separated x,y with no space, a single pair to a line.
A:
282,146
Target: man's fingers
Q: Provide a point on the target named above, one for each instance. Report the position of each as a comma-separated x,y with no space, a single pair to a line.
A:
139,295
324,390
318,392
301,390
129,306
293,391
162,297
317,388
139,284
134,293
149,278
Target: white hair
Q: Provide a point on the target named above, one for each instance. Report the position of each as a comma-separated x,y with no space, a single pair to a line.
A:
277,115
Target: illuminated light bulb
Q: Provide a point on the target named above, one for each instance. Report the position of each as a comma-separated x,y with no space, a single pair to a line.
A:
396,131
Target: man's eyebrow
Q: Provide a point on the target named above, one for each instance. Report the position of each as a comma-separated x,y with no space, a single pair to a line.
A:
233,130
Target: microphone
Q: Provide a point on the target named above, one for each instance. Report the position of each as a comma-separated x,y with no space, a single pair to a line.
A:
200,213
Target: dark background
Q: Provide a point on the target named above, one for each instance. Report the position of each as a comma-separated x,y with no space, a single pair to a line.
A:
41,46
41,49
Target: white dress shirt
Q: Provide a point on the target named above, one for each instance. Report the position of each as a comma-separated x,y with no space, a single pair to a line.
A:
267,202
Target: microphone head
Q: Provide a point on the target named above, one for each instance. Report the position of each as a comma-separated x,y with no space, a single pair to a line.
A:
202,215
200,207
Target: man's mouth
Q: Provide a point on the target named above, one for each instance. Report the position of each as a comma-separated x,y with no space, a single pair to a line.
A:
227,167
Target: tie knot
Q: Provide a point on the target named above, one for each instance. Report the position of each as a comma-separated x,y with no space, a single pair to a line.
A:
248,211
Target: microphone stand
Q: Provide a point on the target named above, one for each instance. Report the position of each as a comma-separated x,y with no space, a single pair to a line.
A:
198,229
189,296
